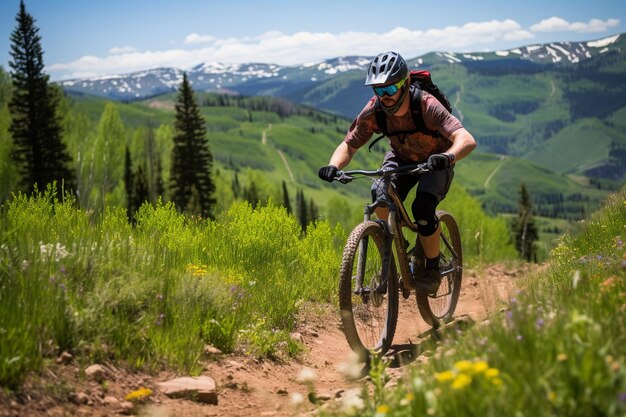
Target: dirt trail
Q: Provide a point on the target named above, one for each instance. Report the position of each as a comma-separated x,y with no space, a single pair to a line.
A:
248,387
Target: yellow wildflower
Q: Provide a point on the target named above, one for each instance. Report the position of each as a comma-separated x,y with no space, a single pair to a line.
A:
409,396
461,381
492,372
480,366
561,357
551,396
139,394
496,381
463,366
382,410
444,376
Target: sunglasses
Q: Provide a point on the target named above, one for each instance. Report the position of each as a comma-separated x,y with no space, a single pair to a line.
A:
389,89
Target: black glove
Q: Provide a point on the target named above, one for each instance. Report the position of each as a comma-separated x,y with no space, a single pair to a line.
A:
328,173
439,161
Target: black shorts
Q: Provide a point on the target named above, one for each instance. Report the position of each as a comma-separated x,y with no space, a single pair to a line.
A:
436,183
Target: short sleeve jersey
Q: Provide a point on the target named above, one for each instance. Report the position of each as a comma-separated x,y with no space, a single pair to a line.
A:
415,147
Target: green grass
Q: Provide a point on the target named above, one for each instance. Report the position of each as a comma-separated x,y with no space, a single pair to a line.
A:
557,349
156,294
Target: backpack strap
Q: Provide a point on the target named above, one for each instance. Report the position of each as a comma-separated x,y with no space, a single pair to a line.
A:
416,112
381,121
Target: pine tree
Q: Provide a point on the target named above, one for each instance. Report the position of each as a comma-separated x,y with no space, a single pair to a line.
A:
236,186
286,202
191,158
141,193
524,227
252,194
39,152
313,211
302,209
129,184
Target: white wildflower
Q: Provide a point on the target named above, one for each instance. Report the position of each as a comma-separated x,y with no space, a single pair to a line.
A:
297,398
352,402
307,375
352,368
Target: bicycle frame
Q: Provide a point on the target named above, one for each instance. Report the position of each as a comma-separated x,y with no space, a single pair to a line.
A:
397,219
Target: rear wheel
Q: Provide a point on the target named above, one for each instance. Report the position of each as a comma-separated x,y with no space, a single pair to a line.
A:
368,297
441,306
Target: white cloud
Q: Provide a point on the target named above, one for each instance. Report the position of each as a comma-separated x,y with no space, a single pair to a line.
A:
296,48
121,50
195,38
557,24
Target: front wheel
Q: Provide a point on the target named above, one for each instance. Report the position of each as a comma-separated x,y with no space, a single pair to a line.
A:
368,294
441,306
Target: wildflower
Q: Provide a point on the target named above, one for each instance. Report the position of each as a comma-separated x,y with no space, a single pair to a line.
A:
551,396
492,372
496,381
461,381
352,369
407,399
519,337
463,366
307,375
159,320
539,323
352,403
382,410
561,357
297,398
139,394
622,397
480,366
609,283
444,376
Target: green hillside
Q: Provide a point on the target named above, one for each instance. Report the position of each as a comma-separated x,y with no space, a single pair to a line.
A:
265,141
566,117
307,140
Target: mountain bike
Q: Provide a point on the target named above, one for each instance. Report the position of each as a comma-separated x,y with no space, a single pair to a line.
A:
377,265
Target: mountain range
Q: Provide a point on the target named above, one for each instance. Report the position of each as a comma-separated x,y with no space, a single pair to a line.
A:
560,105
288,81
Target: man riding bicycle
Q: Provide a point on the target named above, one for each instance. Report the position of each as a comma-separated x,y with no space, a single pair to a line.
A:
446,143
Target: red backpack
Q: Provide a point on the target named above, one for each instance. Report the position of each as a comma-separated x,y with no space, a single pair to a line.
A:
419,81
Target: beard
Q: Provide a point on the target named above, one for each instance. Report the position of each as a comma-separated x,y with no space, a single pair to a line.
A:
391,110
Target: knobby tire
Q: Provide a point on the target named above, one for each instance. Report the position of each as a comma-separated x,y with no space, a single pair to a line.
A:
441,307
369,322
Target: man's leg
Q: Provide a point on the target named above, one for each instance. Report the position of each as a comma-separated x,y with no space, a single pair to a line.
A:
432,188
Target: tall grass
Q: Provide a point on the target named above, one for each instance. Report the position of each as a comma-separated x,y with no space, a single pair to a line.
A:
557,350
155,294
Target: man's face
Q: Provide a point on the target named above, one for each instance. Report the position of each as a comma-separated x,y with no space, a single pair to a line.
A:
389,93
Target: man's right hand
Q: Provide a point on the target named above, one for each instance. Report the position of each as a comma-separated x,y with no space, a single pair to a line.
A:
328,173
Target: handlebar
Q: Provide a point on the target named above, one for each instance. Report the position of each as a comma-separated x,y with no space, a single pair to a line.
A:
414,169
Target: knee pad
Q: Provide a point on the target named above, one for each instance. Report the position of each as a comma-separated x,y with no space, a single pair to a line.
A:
424,207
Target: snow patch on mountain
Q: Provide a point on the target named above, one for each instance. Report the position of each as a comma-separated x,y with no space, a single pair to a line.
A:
603,42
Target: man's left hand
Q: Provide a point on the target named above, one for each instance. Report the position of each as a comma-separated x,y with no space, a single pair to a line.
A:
438,162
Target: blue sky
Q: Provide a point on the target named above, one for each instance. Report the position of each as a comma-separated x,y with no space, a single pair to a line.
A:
95,38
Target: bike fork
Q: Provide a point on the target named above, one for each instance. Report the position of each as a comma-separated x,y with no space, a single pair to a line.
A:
363,244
